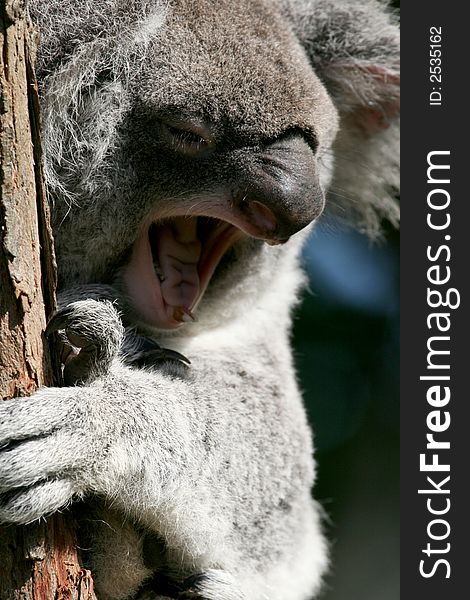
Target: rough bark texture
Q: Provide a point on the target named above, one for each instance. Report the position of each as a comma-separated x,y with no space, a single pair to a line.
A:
37,562
23,355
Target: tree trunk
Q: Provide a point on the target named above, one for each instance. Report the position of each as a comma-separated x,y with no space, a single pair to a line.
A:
38,561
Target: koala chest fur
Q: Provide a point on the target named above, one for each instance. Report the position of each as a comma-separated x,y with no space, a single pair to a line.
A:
189,145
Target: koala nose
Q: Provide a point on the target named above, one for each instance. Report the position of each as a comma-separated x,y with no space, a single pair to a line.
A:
284,193
187,137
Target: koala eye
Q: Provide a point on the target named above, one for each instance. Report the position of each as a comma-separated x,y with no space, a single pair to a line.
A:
186,137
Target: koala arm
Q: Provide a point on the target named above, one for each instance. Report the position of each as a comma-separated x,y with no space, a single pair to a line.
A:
124,436
177,460
193,457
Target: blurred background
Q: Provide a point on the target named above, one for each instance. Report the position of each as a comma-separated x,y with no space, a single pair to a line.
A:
346,341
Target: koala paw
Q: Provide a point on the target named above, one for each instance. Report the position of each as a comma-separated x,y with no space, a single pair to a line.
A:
93,336
24,505
40,444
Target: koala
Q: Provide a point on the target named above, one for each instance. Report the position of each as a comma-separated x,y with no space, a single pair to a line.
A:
189,148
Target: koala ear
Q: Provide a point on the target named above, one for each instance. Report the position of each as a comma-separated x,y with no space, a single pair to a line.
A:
353,46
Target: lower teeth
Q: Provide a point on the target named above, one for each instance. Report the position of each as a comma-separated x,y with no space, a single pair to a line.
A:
158,271
183,315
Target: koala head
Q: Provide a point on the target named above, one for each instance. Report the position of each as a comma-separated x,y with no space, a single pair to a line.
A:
180,137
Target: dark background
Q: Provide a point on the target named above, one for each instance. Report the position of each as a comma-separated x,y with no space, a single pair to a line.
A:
347,351
346,342
347,338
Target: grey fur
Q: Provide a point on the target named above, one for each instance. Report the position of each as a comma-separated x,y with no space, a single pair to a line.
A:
197,475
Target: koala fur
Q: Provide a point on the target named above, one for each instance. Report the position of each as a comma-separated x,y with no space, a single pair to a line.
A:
162,119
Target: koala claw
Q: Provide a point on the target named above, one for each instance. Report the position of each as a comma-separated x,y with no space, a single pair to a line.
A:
212,584
95,329
141,351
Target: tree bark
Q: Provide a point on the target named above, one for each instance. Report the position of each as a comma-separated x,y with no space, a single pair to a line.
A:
38,561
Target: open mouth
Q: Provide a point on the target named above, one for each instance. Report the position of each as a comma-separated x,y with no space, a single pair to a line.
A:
173,260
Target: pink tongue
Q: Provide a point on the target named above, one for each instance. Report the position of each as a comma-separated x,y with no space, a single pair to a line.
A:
179,251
